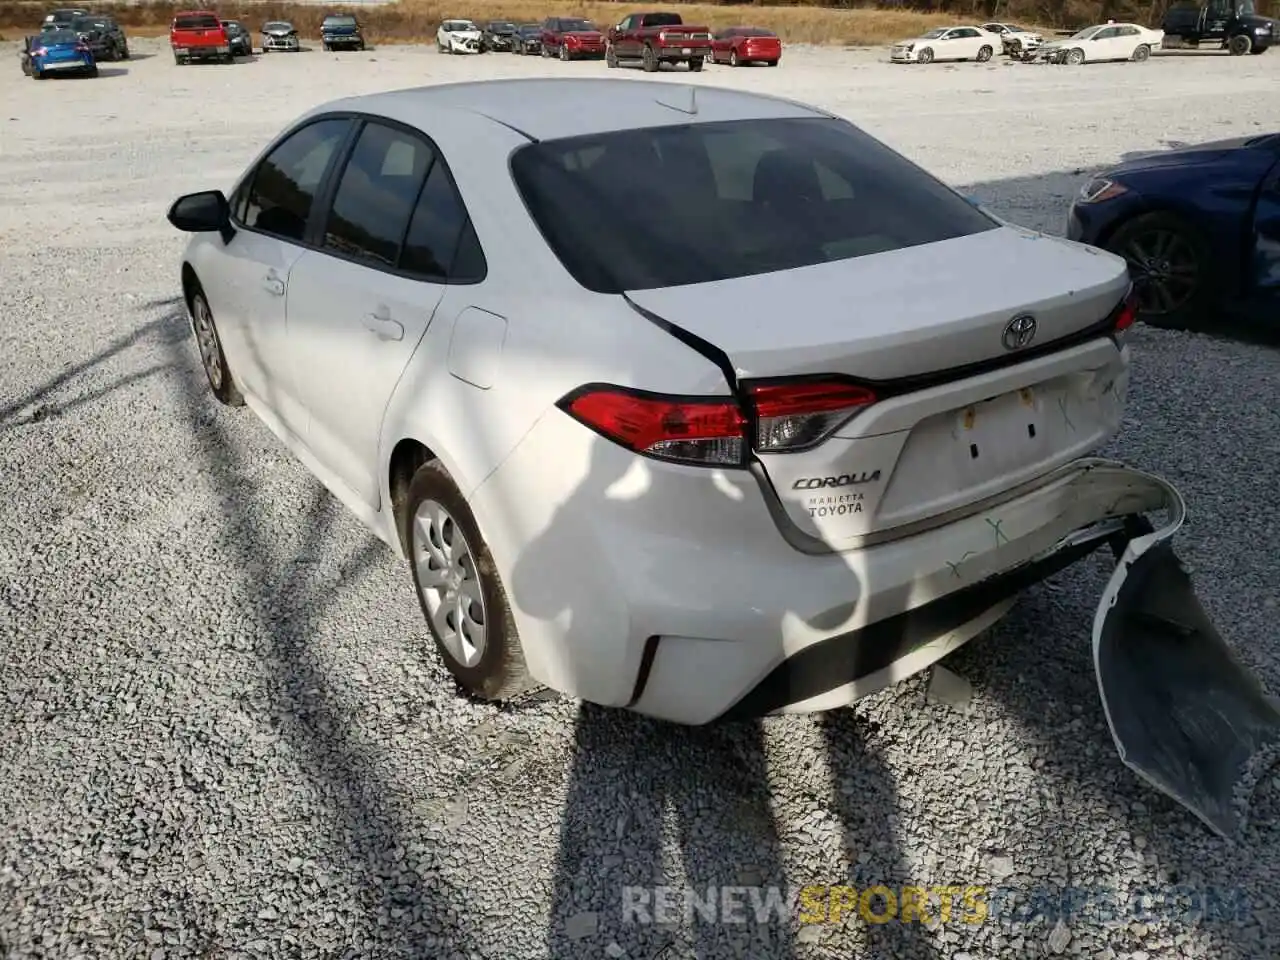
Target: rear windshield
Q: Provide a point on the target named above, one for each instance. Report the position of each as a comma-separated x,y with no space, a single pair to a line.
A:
52,38
340,21
662,20
196,23
667,206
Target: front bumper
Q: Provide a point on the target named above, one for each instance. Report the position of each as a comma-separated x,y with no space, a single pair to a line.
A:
902,55
281,43
464,46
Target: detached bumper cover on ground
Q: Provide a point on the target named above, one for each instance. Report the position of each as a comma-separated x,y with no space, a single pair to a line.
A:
1185,714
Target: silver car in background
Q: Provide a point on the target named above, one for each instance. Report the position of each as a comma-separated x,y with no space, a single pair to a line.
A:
280,35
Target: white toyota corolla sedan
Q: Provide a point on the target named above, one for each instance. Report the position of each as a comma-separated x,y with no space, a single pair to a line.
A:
676,399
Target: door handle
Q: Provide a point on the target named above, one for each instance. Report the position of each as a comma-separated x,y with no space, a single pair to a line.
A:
273,284
383,326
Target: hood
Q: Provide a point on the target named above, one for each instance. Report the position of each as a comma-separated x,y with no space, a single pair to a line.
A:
584,34
1187,155
466,34
916,308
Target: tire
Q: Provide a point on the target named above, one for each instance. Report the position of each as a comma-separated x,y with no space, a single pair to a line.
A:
214,361
326,48
177,60
92,72
733,59
436,516
361,46
984,54
1255,51
1240,44
649,60
1075,57
1142,54
695,65
546,53
124,52
565,56
610,57
771,63
925,56
1170,262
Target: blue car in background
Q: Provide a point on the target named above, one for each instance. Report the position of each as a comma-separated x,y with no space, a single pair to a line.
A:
55,52
1199,226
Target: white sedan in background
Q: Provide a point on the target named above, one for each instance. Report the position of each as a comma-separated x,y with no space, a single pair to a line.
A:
458,36
948,43
1103,42
582,355
1015,39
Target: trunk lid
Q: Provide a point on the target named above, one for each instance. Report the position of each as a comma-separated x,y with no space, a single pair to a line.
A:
930,444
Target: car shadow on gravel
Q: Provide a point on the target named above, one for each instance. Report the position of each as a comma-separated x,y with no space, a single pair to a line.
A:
162,328
371,830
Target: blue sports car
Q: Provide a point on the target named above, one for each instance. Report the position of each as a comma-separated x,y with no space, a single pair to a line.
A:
57,51
1199,225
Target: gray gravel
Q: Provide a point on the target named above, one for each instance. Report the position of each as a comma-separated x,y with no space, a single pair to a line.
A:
223,732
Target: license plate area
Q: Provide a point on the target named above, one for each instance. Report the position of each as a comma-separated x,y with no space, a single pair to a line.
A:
1001,433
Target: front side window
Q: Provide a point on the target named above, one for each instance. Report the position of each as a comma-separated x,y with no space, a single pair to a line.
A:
283,188
667,206
375,195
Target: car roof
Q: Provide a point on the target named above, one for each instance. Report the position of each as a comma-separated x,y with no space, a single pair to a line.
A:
548,108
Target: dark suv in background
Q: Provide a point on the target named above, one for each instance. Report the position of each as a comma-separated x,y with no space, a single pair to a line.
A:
498,36
341,31
238,38
103,36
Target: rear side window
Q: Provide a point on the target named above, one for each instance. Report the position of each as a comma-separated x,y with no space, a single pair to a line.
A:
376,194
662,20
283,188
440,243
668,206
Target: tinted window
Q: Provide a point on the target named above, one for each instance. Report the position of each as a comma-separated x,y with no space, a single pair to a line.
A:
662,20
570,26
284,185
376,195
438,222
665,206
53,38
196,23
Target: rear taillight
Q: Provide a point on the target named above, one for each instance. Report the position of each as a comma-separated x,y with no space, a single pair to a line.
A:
1127,312
794,416
787,416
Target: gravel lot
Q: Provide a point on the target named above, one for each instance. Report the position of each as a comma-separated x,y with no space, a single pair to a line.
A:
222,730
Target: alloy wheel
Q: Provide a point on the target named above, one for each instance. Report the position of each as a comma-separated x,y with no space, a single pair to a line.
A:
1166,270
449,583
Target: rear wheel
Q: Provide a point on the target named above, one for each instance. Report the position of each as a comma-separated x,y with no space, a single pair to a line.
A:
925,56
1142,54
695,64
1240,44
1169,261
1075,57
92,71
124,52
771,63
212,358
984,54
649,60
459,590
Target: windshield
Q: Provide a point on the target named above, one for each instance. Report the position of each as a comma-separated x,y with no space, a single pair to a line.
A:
933,34
53,38
196,23
340,21
276,25
1016,29
454,26
576,26
1246,9
502,26
713,201
84,24
1084,34
754,32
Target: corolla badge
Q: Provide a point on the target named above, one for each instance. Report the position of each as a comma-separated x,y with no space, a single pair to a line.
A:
1019,332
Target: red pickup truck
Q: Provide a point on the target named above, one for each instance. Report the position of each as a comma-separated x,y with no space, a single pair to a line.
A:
199,35
658,38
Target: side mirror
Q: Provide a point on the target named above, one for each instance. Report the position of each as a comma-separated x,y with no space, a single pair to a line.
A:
203,212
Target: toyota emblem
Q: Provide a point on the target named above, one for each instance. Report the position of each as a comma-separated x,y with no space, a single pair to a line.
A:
1019,332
